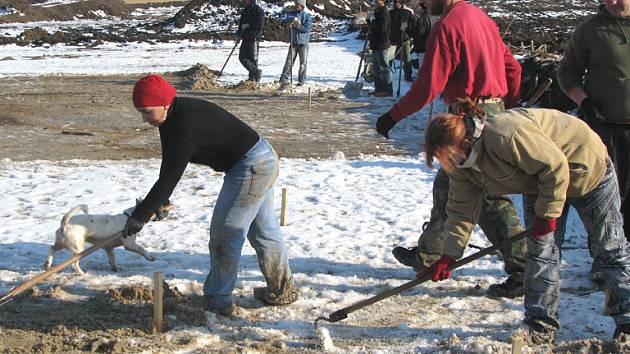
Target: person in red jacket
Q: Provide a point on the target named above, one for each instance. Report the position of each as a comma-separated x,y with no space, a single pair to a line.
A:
465,58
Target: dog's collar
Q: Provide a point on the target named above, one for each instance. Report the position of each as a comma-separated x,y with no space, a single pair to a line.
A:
127,213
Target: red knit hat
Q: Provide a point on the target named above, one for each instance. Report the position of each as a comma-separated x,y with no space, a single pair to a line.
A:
153,91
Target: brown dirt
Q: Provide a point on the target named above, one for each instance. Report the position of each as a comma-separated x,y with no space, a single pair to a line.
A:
91,117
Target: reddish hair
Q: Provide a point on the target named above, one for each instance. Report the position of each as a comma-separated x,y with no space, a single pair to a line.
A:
445,135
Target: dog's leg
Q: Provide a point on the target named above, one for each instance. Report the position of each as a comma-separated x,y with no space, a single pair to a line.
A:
131,245
51,253
112,259
75,248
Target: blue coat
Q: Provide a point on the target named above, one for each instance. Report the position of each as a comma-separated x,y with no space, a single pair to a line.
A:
302,33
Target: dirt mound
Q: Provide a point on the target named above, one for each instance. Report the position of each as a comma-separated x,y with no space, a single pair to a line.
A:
199,77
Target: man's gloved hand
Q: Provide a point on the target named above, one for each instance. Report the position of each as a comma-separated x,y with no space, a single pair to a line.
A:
592,111
384,124
162,213
132,227
438,269
245,26
296,22
543,227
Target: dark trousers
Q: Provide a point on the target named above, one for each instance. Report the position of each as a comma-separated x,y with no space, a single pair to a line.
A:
616,137
248,56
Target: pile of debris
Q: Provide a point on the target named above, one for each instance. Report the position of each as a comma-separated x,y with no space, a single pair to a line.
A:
199,77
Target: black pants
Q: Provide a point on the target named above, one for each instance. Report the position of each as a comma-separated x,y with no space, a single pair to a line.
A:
616,137
248,56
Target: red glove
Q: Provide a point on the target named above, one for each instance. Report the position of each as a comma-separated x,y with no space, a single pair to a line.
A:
438,269
543,227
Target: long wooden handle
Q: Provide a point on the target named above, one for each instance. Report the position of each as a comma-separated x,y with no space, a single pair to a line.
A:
6,297
343,313
539,91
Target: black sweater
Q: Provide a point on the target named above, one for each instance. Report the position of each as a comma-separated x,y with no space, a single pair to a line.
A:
200,132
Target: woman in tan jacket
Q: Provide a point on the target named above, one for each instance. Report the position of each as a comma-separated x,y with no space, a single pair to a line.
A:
554,160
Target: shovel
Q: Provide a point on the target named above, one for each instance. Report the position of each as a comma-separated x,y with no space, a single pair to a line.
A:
229,56
344,312
352,89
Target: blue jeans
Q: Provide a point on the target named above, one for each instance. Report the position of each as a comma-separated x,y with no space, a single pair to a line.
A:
599,211
244,208
295,50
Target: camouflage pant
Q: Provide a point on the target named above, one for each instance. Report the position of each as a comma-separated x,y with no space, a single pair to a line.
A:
498,220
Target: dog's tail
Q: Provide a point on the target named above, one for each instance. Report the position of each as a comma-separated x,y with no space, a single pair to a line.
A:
71,213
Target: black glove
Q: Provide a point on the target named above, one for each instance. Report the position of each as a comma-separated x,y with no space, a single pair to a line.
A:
591,111
384,124
132,227
162,213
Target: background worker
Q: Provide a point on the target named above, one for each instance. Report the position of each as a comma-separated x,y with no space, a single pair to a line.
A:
465,57
595,74
250,29
193,130
379,44
301,25
402,22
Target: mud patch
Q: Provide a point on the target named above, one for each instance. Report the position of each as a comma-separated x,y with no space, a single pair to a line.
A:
115,321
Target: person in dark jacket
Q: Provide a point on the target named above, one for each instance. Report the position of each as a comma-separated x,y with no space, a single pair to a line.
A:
250,28
301,25
595,74
197,131
402,21
379,44
421,27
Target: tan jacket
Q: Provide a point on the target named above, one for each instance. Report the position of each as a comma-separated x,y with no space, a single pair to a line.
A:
524,151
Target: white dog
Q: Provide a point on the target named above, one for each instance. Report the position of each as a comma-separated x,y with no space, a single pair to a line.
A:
78,227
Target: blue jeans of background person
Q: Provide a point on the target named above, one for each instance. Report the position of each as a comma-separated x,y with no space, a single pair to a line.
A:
295,50
244,208
599,211
382,72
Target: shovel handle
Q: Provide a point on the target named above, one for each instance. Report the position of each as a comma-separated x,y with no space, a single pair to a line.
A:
362,56
343,313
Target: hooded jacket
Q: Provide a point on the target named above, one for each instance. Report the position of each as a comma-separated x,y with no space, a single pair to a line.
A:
379,29
254,16
302,33
400,18
598,58
523,151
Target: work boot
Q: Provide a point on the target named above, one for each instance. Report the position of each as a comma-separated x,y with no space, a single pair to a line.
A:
383,94
232,311
621,338
536,335
257,75
409,257
512,287
596,275
289,296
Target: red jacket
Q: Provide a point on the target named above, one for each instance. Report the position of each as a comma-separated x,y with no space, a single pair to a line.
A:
465,57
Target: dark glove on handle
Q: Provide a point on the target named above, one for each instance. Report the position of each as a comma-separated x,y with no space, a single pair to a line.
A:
543,227
438,269
384,124
132,227
591,111
162,213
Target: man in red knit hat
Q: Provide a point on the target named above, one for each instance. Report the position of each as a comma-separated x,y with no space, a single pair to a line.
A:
197,131
465,58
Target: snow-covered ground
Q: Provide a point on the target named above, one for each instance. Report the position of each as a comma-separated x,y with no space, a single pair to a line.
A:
344,217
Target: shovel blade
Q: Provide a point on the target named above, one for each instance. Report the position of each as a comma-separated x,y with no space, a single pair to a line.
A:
352,89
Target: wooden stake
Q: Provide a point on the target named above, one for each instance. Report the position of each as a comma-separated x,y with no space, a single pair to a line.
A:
517,344
158,297
283,210
310,100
